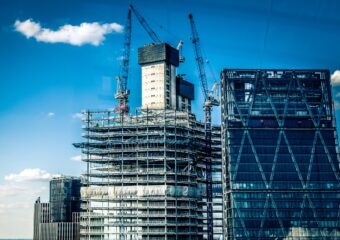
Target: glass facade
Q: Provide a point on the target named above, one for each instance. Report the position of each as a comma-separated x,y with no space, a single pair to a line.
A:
64,198
280,155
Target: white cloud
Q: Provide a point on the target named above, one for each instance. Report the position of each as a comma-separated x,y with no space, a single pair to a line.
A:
28,28
30,174
14,206
76,158
77,116
335,77
10,190
50,114
9,208
86,33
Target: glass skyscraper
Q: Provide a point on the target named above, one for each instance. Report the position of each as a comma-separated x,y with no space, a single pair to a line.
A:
64,198
280,155
59,219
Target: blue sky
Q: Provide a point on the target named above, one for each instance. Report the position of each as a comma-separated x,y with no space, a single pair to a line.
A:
44,85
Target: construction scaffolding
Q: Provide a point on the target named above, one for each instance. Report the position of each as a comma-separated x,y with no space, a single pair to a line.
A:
216,172
145,176
216,184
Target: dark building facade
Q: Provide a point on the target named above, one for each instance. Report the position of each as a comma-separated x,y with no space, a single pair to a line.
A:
64,198
59,219
279,155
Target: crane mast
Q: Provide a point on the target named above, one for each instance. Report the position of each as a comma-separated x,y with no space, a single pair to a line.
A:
198,54
209,102
122,93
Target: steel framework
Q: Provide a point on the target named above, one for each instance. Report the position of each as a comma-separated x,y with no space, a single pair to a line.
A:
145,175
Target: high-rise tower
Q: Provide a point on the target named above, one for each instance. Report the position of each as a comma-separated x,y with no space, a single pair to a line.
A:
64,198
161,87
158,62
145,171
41,215
280,155
57,220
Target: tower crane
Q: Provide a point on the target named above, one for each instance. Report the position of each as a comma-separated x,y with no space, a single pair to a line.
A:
122,92
152,34
179,48
145,25
210,100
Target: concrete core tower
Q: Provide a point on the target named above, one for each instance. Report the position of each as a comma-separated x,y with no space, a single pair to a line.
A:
161,88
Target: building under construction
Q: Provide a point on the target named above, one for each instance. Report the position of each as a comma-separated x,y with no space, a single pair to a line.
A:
146,173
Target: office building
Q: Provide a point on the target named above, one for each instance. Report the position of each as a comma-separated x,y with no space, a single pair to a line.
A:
41,215
280,155
59,231
59,219
64,198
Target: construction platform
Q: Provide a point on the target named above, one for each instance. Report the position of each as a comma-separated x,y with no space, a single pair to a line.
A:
145,175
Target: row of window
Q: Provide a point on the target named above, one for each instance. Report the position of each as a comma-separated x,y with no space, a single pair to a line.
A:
283,185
